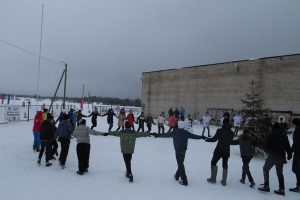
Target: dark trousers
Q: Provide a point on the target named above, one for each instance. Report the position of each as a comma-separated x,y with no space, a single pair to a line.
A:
216,157
171,129
83,155
161,127
94,124
207,130
246,170
296,167
141,127
110,127
180,156
149,126
236,130
54,147
65,144
270,162
46,145
127,159
120,127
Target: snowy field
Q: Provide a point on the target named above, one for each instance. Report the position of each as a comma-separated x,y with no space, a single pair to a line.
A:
153,167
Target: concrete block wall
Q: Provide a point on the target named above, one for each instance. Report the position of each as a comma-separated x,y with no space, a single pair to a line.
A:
223,85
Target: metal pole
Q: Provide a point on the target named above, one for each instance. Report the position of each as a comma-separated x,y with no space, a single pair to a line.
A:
39,67
65,87
56,90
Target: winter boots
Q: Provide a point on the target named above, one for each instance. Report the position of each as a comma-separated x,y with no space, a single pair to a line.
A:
296,189
183,182
48,164
129,176
224,177
279,192
252,184
176,176
264,188
39,162
214,170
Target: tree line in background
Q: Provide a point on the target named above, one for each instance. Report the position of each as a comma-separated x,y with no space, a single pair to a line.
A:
104,100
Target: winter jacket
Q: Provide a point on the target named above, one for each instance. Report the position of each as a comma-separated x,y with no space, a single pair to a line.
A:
65,129
80,116
247,145
140,120
127,139
38,119
277,143
284,127
130,118
73,118
296,141
82,133
172,121
121,118
171,112
149,120
182,112
224,136
47,131
110,116
60,117
161,120
180,138
176,113
188,125
94,115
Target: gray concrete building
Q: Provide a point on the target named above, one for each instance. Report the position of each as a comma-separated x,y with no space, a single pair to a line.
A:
218,87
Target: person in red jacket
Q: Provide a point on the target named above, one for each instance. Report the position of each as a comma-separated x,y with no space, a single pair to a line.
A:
172,123
38,119
130,119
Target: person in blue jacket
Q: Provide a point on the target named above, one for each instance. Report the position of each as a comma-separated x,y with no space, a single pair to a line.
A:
180,141
64,133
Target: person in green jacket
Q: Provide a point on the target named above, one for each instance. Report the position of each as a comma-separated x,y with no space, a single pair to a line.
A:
127,143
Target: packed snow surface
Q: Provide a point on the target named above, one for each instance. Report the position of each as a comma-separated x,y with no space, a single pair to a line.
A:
153,165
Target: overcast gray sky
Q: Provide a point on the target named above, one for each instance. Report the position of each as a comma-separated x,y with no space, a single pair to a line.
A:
109,43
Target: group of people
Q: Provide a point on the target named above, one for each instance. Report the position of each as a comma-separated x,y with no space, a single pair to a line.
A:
277,145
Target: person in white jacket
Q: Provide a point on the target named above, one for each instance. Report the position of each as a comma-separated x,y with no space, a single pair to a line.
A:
82,134
188,124
237,119
161,120
205,120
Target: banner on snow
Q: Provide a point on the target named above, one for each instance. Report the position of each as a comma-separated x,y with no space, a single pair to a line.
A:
13,113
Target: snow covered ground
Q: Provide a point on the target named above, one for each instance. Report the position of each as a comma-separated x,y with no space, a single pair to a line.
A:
153,167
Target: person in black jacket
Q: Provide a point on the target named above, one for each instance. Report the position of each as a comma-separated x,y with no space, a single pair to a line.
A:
171,112
110,118
79,116
296,151
180,141
140,121
277,145
149,121
94,115
247,147
47,135
224,136
176,113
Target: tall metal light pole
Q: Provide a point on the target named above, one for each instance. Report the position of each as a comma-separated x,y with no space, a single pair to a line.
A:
40,51
65,84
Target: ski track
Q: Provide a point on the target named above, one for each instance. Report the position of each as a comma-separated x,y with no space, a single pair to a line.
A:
153,166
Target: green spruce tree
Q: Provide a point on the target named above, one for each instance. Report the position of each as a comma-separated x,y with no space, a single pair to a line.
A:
257,118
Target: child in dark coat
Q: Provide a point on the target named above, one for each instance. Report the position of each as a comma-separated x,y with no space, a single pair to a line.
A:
247,147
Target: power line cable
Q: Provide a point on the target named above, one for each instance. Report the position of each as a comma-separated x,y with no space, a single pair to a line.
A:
29,52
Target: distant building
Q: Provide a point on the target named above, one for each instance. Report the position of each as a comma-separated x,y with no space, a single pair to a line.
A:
219,87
